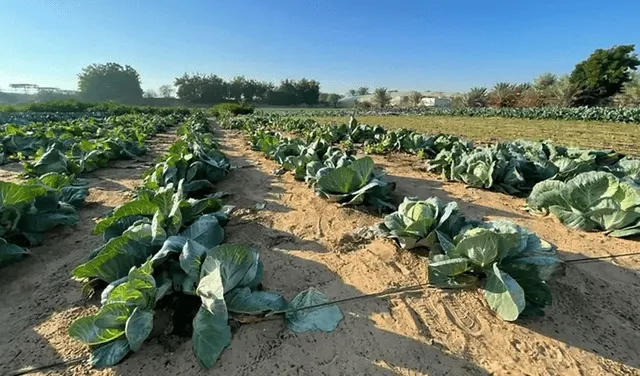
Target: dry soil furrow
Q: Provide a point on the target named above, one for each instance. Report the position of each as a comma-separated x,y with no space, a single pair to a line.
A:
38,300
592,328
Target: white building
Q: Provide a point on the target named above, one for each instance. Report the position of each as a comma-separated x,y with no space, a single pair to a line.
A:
399,99
435,102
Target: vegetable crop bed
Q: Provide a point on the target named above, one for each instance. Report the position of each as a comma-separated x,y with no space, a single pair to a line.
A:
623,137
304,241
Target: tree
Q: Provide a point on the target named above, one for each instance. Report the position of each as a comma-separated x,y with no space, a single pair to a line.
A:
503,94
150,94
166,91
249,90
603,74
630,94
415,97
363,90
262,89
564,93
476,97
110,81
236,86
333,99
201,89
381,97
545,81
308,91
292,92
353,92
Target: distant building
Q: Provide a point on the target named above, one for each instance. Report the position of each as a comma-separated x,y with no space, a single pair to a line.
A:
398,99
436,102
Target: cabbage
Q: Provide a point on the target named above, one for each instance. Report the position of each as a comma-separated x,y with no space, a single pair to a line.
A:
591,201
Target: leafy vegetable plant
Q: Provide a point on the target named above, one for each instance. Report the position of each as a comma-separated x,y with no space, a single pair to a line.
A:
29,210
421,223
591,201
512,262
164,247
354,184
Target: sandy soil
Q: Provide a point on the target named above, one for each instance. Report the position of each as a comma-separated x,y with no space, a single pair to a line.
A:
593,328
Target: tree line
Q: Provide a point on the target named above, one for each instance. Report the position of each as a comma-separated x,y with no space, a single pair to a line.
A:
112,81
605,78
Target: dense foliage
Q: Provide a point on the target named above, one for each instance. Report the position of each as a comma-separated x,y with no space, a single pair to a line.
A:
604,73
30,209
593,200
56,153
511,263
601,114
295,92
210,89
515,167
222,109
165,249
110,82
71,109
81,145
509,167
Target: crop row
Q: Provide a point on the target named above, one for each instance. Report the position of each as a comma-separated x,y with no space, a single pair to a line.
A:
509,262
602,189
601,114
165,249
60,151
81,145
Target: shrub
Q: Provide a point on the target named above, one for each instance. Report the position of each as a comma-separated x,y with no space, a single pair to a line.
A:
231,108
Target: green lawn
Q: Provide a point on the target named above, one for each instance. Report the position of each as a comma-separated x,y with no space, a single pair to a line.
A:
621,137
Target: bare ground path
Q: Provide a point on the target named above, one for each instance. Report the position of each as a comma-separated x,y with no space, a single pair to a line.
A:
593,328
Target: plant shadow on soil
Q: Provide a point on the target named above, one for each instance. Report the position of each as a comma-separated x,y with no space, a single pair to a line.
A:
423,189
270,348
595,308
34,289
595,305
357,346
37,295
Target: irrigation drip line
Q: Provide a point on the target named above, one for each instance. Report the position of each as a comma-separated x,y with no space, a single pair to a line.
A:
52,365
587,259
272,316
394,291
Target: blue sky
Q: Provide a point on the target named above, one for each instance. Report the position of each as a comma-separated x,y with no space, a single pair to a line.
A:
404,45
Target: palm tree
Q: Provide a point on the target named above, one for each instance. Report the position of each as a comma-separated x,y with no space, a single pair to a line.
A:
353,92
630,94
564,93
415,97
476,97
363,90
503,94
545,81
381,97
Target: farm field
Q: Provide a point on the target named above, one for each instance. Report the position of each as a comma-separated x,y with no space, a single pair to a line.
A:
305,241
621,137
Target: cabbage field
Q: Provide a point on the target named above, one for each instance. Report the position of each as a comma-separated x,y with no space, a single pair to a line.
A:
596,114
178,243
